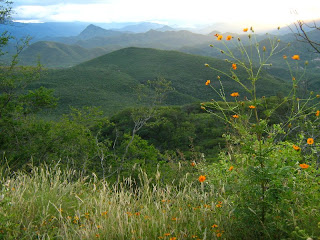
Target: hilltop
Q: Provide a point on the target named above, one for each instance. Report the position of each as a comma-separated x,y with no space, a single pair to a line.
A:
109,81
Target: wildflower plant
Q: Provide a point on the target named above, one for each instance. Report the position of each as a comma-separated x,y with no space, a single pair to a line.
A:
272,180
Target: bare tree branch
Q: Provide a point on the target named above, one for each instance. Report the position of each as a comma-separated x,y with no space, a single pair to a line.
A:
303,36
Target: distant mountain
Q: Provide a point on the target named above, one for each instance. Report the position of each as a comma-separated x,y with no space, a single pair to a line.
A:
153,39
288,43
141,27
94,31
219,26
166,28
292,28
40,31
109,81
52,30
313,35
95,41
202,48
57,55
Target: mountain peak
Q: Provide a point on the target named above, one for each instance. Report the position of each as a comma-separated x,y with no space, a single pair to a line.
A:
92,31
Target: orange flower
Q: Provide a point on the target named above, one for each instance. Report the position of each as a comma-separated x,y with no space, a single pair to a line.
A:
245,29
295,147
252,107
284,57
202,178
104,213
234,66
317,113
193,164
234,94
229,38
219,37
295,57
235,116
310,141
219,234
293,78
207,82
174,219
304,166
230,168
214,226
173,238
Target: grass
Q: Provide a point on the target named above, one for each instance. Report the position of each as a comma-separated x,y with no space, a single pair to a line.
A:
54,204
50,203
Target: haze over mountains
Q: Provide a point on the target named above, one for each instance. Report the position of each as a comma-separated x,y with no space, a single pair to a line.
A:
102,67
67,44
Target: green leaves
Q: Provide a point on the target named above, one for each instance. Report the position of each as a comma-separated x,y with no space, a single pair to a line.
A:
37,100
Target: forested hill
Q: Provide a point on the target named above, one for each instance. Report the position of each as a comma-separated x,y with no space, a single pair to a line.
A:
110,81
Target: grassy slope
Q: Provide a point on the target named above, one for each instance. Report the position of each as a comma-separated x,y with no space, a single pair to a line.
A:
108,81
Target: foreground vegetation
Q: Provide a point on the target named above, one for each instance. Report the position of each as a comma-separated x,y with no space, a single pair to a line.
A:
55,204
61,204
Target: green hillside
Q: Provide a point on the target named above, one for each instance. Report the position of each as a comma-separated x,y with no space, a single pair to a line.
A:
186,71
109,81
54,54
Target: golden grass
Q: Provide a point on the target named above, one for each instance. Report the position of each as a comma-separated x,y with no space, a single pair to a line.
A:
54,204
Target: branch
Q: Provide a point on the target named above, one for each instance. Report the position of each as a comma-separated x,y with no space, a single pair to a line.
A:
302,35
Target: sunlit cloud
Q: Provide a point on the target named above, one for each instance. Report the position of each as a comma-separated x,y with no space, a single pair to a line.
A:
246,12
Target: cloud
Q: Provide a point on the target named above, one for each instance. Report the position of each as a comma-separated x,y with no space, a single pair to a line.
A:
274,12
57,2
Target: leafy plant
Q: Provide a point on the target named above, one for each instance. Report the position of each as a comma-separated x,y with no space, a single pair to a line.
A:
261,173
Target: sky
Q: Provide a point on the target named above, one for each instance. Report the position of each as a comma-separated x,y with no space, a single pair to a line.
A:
268,13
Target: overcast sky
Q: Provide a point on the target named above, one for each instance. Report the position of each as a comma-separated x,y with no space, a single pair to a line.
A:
187,12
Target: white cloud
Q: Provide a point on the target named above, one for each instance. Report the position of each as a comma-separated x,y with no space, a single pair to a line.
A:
273,12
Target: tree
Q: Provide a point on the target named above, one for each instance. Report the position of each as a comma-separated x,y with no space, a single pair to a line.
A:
309,33
17,103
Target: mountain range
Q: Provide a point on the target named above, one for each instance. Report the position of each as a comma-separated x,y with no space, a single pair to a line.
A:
103,67
95,41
